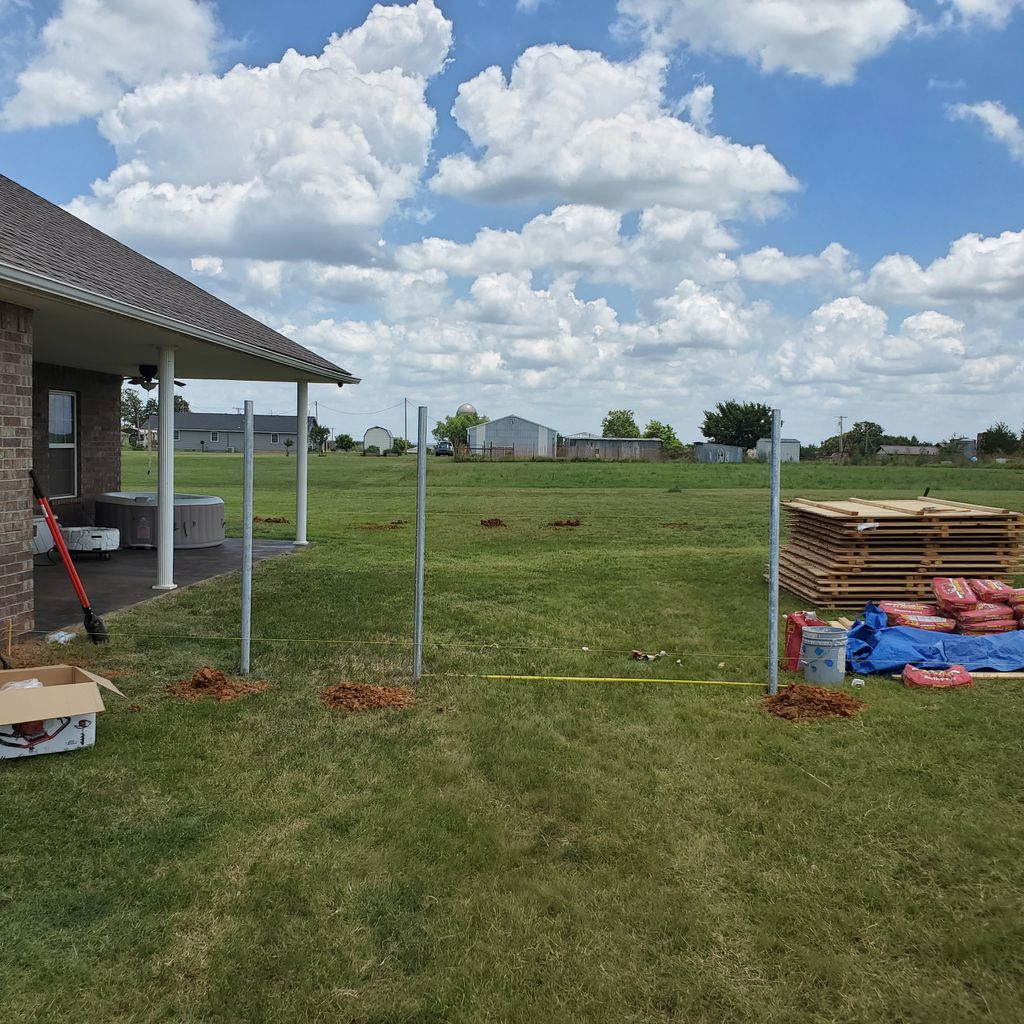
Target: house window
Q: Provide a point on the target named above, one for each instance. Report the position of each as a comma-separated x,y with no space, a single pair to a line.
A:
177,435
214,436
274,438
63,475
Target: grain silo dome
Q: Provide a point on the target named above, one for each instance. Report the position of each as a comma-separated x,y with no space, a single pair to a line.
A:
466,409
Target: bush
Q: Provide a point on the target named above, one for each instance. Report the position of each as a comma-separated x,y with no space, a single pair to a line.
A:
371,450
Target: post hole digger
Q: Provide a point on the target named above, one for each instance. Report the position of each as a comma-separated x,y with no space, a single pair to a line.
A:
93,623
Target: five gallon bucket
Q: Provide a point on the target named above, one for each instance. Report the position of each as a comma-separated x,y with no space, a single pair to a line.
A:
823,653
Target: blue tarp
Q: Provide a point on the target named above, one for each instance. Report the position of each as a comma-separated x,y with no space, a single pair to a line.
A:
872,646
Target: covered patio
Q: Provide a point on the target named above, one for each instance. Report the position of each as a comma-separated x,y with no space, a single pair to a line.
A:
80,313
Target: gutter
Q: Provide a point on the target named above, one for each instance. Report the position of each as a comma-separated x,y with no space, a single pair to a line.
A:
82,296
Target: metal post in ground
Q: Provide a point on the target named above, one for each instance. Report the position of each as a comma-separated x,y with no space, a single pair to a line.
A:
246,539
773,559
421,532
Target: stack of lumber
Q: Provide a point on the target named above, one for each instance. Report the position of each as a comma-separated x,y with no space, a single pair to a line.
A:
842,553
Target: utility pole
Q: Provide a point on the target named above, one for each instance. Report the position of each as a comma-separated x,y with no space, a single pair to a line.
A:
405,410
841,418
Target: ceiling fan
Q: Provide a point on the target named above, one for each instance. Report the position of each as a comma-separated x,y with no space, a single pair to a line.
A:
144,379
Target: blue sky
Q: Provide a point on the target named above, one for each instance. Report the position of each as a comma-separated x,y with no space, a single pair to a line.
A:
812,203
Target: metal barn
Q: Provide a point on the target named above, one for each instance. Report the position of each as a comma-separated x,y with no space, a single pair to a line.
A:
381,437
711,451
789,449
516,436
631,449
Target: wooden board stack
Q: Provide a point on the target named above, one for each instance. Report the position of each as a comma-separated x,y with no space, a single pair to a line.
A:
842,553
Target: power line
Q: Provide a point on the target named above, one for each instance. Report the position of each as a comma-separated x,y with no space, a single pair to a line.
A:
370,412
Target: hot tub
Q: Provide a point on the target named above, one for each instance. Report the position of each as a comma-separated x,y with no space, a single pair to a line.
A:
198,518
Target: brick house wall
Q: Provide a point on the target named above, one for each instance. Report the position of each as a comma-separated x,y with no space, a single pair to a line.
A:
99,435
15,460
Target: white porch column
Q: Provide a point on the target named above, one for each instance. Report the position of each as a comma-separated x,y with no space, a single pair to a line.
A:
301,460
165,474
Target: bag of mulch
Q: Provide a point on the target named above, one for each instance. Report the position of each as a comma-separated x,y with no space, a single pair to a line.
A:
992,590
953,592
894,608
983,612
937,678
984,628
933,623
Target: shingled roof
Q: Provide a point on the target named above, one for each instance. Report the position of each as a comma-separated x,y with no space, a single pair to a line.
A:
40,238
229,421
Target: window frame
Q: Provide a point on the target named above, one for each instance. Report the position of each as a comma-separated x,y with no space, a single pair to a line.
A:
275,438
62,445
214,437
177,435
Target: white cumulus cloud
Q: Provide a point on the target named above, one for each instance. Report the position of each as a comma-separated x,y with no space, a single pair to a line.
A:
1000,124
769,265
994,13
92,51
573,126
303,158
824,39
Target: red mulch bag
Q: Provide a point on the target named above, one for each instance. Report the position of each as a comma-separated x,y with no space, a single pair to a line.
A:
991,590
955,675
995,626
984,612
954,592
933,623
894,608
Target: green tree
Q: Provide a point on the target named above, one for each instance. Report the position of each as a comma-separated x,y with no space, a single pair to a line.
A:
738,423
131,409
862,440
152,406
658,429
318,436
344,442
999,439
399,445
456,428
619,423
289,444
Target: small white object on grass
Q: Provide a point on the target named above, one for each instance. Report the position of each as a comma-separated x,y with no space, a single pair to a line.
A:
60,637
857,682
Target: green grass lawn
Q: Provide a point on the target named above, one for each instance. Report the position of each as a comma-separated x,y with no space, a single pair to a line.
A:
515,852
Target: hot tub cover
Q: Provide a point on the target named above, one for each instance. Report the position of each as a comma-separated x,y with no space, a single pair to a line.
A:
872,646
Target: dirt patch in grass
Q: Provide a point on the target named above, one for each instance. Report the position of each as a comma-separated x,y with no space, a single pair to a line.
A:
270,519
801,703
211,684
491,524
676,526
573,523
365,697
395,524
35,652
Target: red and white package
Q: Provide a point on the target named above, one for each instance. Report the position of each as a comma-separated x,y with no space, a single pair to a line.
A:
1017,595
954,592
892,608
933,623
992,590
983,612
994,626
937,678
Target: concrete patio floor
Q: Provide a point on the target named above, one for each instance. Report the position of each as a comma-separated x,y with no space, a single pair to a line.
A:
129,576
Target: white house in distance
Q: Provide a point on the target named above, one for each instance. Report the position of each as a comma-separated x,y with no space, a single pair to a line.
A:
522,437
379,436
224,432
789,449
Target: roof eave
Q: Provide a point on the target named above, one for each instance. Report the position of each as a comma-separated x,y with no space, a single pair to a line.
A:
51,286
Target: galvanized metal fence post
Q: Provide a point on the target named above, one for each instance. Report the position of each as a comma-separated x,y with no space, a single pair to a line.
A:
773,558
247,539
421,531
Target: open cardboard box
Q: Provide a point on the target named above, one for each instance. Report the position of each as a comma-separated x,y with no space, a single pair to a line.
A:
60,715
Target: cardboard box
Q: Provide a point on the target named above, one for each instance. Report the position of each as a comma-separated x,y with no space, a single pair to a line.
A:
58,716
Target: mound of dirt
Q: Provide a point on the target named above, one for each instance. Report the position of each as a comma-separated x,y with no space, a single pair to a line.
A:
567,522
270,519
490,524
395,524
676,526
364,697
211,684
800,703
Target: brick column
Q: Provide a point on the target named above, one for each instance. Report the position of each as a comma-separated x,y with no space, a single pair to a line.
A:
16,501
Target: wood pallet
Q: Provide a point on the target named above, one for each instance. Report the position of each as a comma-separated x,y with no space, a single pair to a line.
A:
843,553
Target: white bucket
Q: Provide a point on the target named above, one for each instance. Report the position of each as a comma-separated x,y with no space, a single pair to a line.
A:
823,654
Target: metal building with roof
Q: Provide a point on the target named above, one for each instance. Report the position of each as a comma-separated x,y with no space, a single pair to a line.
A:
517,436
789,449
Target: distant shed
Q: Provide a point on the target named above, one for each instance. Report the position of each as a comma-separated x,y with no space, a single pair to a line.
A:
711,451
625,449
381,437
515,436
789,449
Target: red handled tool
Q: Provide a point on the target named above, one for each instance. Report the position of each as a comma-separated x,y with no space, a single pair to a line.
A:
93,623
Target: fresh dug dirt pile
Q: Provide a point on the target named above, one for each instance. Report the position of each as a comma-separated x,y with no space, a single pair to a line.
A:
802,703
270,519
211,684
491,524
364,697
395,524
567,522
